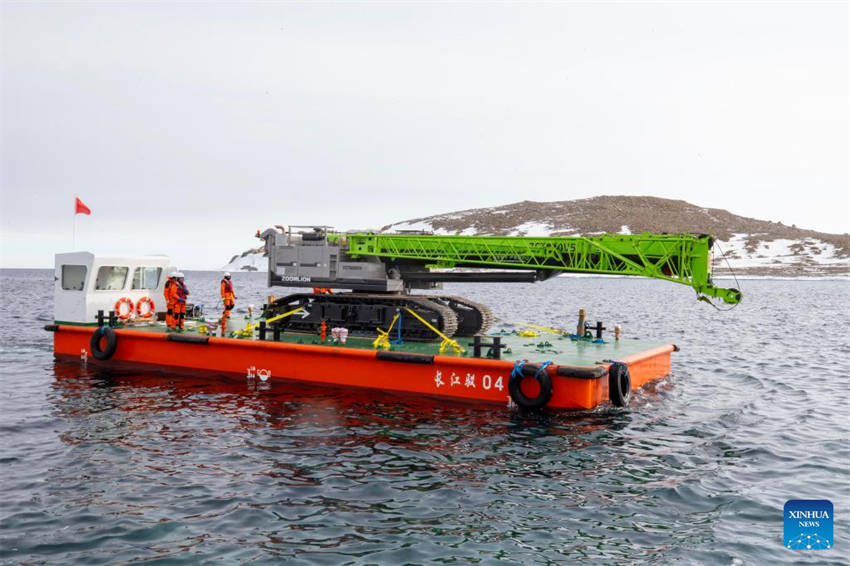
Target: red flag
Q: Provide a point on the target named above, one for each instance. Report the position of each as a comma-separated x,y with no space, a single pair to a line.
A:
80,208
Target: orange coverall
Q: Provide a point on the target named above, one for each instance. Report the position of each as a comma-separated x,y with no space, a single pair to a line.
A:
179,293
229,300
169,302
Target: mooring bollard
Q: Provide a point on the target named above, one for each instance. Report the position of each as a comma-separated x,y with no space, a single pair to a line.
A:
599,328
495,347
476,346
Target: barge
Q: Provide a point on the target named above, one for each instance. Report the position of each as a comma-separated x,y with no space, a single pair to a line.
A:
109,311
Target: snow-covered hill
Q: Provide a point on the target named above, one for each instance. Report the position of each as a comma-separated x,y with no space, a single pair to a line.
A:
250,260
751,246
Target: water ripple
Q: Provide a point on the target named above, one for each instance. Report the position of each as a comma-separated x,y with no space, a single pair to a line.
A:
118,466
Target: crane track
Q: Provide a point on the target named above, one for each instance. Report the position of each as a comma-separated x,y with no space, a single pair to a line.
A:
362,313
479,323
449,316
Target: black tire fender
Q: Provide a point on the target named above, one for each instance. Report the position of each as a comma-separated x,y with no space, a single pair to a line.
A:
619,384
111,343
542,377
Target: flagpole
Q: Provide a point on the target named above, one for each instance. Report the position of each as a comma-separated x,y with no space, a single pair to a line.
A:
74,237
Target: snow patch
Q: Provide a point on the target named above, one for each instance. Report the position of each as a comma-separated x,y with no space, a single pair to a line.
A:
532,229
777,253
421,226
248,262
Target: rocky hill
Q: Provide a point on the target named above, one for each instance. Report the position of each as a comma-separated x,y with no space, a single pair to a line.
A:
751,246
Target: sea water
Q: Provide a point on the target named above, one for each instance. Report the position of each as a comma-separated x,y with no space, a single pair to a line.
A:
108,466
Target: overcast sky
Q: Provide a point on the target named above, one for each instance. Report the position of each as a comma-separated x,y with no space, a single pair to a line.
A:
187,128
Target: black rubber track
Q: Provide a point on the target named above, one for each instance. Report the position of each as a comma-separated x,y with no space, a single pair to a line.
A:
362,313
472,318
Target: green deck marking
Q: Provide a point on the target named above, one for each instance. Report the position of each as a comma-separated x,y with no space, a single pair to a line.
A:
561,351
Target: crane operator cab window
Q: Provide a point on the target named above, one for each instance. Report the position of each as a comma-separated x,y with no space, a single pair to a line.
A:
111,278
73,277
146,277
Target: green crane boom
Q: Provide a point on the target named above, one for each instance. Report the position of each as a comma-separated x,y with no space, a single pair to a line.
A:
680,258
381,269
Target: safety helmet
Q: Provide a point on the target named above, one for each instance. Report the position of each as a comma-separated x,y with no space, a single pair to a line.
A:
179,275
227,275
173,274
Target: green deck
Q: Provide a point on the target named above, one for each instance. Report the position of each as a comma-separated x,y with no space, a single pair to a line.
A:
558,349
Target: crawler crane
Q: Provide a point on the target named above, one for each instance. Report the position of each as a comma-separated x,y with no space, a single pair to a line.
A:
381,269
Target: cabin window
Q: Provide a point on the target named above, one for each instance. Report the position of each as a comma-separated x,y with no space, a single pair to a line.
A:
146,277
111,278
73,277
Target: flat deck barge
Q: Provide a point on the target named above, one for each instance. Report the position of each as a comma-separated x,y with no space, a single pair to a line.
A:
532,371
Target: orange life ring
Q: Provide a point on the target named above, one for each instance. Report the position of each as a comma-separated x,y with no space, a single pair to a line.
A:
150,310
119,303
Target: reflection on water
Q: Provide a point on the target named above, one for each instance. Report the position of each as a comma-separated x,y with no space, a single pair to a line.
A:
82,390
296,465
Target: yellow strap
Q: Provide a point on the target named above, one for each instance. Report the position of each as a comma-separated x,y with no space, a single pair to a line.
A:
383,339
552,330
274,318
446,340
455,346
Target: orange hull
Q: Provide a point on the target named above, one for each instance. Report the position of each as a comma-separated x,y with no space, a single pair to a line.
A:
470,379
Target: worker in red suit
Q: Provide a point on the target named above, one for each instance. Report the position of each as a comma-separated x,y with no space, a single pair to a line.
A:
228,298
180,294
168,292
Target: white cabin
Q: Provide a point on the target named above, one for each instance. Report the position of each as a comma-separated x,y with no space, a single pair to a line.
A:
85,283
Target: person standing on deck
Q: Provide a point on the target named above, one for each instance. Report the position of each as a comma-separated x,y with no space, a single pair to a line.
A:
181,293
168,293
228,298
